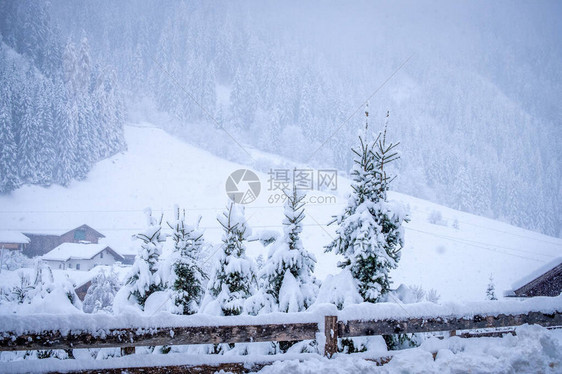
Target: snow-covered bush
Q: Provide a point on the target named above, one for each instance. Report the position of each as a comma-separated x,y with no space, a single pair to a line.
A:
340,289
13,260
20,293
436,218
101,293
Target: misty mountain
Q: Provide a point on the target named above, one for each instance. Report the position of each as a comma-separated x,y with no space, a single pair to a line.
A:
473,88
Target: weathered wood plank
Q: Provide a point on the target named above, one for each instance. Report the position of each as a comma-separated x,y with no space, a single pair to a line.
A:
125,351
331,333
413,325
160,336
235,367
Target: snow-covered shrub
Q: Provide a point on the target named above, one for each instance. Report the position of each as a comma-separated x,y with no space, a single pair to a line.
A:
436,218
13,260
340,290
20,293
456,224
101,293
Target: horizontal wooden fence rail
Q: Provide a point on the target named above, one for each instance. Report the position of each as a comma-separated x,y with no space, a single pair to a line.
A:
130,337
15,334
355,328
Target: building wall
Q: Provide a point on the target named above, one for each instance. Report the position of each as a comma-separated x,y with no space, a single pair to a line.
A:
40,244
55,264
13,246
86,265
74,237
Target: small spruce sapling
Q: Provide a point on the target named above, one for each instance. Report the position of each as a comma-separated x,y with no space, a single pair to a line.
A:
234,277
491,290
288,270
187,282
144,279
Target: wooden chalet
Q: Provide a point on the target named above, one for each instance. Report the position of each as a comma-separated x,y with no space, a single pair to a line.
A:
546,281
41,243
13,240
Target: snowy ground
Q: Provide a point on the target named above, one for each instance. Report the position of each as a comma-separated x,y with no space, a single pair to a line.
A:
532,350
159,171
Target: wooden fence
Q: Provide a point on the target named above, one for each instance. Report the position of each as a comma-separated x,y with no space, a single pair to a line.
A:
128,338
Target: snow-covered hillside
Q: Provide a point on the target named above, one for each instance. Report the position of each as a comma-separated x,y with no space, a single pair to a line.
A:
455,255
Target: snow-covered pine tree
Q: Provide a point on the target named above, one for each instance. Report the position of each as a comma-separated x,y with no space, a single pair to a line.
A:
9,177
370,233
144,279
101,293
289,267
491,290
234,277
188,277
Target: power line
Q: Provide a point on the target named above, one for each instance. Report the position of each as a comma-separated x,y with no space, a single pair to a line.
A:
485,246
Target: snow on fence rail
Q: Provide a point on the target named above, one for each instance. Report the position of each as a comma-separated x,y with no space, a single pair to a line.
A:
324,323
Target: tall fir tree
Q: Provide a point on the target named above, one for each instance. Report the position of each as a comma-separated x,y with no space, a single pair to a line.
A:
370,233
234,277
9,177
187,283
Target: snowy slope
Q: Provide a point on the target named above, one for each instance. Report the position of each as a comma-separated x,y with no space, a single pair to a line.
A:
159,170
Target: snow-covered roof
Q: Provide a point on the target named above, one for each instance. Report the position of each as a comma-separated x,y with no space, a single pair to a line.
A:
13,237
77,251
537,273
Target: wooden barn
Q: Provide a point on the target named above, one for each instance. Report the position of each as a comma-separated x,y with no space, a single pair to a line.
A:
13,240
41,243
546,281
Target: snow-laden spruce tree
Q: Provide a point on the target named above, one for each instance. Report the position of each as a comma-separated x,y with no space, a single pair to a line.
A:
101,293
289,267
491,290
370,233
187,277
234,277
144,278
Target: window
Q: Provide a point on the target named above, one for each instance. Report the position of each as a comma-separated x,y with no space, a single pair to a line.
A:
70,266
77,266
60,266
101,254
80,234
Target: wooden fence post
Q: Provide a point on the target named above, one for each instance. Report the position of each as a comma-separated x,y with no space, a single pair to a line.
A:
331,333
125,351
